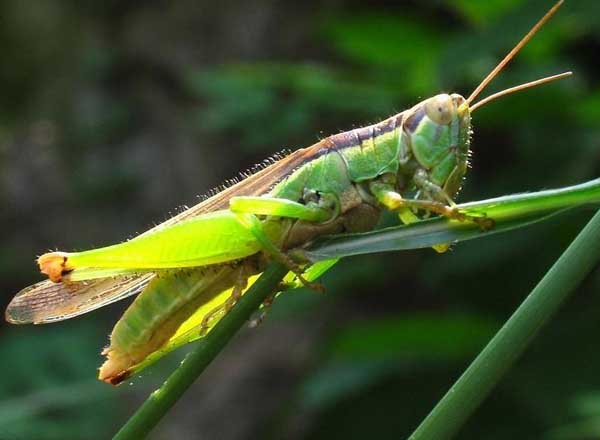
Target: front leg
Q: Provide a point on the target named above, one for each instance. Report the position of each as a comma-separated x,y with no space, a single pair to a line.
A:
432,190
435,192
392,200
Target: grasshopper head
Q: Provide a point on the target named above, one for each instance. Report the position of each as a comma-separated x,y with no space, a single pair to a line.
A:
438,131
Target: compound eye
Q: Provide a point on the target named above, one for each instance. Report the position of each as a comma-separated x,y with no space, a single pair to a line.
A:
440,109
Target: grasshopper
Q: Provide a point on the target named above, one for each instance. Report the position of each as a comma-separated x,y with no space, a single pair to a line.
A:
198,263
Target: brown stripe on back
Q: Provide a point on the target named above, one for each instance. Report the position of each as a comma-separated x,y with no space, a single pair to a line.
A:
412,122
357,136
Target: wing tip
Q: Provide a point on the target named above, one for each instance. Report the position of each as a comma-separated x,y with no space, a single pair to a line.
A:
16,314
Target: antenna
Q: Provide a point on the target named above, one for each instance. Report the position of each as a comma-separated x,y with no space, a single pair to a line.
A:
513,52
520,87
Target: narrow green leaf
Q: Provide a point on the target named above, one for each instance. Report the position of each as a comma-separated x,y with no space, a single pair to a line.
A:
509,212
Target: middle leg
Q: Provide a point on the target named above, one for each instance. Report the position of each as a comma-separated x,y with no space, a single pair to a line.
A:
247,209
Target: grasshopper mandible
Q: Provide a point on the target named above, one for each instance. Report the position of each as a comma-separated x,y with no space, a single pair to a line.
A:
200,261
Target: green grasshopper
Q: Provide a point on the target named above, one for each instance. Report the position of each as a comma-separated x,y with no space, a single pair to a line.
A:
192,268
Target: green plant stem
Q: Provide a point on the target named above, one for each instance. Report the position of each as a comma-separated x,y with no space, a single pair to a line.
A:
511,340
161,400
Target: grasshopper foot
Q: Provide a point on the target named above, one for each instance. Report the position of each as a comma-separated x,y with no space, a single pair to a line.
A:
265,307
484,223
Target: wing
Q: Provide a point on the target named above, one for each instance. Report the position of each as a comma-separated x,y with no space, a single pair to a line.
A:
46,301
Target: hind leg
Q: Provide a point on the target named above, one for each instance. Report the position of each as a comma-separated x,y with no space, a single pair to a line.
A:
221,310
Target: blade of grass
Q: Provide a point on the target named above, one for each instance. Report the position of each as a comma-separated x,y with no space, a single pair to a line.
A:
509,212
512,339
161,400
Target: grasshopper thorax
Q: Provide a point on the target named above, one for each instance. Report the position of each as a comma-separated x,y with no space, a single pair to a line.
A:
438,134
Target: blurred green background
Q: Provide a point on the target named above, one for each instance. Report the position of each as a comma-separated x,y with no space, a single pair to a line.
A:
113,113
